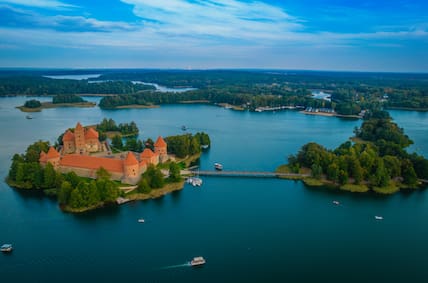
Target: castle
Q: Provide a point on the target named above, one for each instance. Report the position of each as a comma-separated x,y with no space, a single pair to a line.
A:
83,153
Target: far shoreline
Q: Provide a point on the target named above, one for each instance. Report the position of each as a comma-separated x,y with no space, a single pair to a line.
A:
48,105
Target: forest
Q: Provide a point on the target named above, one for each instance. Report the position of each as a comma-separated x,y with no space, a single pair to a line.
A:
248,89
377,159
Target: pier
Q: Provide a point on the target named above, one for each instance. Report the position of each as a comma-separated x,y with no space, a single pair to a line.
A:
250,174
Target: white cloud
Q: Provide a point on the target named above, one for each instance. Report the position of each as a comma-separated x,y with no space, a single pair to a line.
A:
215,18
48,4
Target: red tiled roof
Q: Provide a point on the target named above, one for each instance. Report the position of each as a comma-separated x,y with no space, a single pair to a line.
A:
130,159
68,136
52,153
92,162
78,126
91,134
160,142
147,153
42,156
143,163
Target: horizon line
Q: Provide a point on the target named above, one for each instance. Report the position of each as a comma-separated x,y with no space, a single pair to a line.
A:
203,69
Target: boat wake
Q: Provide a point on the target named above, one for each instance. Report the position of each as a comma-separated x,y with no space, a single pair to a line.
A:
187,264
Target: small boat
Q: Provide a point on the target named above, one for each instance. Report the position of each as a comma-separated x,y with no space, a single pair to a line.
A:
141,220
205,146
6,248
29,117
183,128
218,166
196,182
336,202
197,261
378,217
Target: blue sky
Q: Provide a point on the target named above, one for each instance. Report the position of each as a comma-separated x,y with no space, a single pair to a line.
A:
312,35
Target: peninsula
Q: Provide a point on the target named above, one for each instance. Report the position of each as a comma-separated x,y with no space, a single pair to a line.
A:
376,161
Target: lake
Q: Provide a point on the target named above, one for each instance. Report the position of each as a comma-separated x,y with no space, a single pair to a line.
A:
248,229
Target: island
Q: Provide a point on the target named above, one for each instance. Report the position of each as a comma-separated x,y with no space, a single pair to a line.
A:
375,160
84,171
71,100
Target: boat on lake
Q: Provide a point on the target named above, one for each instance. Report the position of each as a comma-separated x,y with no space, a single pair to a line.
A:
336,202
218,166
29,117
196,261
141,220
195,181
6,248
378,217
183,128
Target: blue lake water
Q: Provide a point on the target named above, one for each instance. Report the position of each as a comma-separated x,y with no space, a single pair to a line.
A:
249,230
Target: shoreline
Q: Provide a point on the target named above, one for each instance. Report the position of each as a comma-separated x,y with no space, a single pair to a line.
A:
135,106
330,114
406,108
230,106
49,105
155,193
392,188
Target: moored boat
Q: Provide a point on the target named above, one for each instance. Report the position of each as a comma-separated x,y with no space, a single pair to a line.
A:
378,217
197,261
6,248
218,166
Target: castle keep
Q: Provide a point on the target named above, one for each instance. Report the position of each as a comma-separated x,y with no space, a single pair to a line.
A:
83,153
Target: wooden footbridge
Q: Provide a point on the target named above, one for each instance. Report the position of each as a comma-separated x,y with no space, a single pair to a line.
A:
261,174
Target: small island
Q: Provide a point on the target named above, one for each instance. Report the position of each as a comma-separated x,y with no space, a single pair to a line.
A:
83,171
375,161
71,100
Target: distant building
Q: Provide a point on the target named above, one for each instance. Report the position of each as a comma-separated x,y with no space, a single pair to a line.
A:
77,147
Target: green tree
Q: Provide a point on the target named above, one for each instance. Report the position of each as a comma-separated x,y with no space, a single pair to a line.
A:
333,172
154,177
143,186
64,193
103,174
33,151
343,177
408,172
116,142
75,199
316,171
49,176
174,172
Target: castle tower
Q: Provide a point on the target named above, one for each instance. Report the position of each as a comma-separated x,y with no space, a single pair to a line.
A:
91,140
43,158
52,157
68,142
131,167
149,157
161,149
79,135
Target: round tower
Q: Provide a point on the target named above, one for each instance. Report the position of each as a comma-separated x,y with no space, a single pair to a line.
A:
130,166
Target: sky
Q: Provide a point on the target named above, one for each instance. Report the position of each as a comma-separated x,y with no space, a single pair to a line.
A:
390,36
